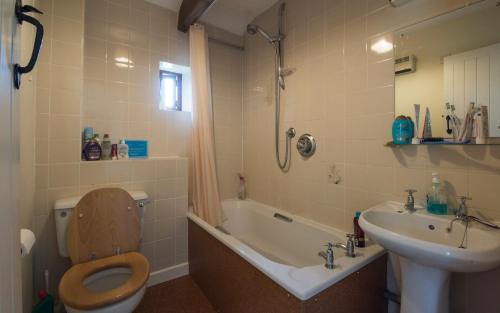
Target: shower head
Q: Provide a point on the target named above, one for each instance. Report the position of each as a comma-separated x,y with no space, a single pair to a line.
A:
252,29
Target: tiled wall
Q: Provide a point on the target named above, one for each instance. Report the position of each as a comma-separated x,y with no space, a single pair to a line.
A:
343,94
226,72
64,105
78,84
146,34
122,98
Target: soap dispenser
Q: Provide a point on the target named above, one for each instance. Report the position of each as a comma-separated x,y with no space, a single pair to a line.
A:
436,197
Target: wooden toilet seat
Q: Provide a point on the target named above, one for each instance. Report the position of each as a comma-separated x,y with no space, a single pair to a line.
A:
74,294
103,232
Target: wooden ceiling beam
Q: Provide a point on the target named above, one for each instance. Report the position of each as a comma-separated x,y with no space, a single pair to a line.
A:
190,12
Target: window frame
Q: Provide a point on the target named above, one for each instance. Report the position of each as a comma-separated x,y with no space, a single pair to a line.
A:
178,81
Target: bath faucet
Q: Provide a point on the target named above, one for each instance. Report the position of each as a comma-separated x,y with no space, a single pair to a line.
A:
328,255
410,201
348,247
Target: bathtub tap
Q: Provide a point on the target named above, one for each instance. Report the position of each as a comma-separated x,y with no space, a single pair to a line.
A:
328,255
348,247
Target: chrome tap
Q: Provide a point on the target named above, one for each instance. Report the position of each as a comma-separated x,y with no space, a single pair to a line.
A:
462,215
328,255
410,201
462,210
348,247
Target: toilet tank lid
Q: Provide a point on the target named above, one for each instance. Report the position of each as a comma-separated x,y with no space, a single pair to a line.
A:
69,203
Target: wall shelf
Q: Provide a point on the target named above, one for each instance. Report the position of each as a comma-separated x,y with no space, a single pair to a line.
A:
395,145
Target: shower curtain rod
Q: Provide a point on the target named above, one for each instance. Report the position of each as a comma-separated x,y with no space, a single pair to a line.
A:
224,43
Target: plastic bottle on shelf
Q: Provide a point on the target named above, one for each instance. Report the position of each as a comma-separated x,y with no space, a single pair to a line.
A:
122,150
106,148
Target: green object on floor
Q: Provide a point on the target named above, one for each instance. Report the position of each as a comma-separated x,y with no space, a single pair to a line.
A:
45,305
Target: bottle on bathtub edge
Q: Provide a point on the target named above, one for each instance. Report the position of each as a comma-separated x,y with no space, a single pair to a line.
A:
359,234
242,192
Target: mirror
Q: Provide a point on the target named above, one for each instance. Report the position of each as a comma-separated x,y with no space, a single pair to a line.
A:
450,66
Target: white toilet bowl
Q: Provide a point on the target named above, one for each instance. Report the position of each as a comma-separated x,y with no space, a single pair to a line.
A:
107,280
114,284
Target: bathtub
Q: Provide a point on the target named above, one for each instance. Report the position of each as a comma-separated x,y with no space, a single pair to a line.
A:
285,247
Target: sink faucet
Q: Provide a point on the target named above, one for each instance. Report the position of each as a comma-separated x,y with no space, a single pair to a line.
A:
462,215
328,255
410,201
463,210
348,247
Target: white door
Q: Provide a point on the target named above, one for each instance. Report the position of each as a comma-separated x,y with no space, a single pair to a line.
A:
474,76
10,294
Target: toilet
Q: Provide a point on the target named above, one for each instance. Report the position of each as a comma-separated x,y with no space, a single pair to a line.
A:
101,232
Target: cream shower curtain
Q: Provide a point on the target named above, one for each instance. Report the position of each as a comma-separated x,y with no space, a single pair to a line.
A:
206,199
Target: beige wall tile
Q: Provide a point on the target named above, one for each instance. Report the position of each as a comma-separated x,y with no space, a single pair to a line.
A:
63,175
71,9
95,28
118,14
64,151
119,171
67,30
67,78
41,176
42,126
65,102
41,151
42,100
166,169
93,173
143,170
65,127
96,9
95,48
165,189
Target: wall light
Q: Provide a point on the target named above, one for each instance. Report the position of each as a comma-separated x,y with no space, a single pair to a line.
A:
381,46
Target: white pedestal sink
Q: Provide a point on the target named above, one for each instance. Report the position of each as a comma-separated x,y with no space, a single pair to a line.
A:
428,253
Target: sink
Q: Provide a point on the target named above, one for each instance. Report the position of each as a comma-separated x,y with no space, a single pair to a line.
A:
428,253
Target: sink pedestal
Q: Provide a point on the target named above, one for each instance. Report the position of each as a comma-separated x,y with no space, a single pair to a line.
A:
424,289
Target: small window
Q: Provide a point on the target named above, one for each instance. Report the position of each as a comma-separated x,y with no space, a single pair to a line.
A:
170,91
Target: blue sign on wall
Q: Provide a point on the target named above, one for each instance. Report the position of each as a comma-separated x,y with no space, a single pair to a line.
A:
137,149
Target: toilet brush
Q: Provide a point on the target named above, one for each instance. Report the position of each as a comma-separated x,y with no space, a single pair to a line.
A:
45,300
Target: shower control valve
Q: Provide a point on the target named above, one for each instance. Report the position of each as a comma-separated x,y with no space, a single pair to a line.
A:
306,145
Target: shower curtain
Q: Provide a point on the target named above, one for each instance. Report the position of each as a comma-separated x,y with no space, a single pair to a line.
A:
206,199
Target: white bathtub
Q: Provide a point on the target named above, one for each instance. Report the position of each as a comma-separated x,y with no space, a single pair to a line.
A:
287,252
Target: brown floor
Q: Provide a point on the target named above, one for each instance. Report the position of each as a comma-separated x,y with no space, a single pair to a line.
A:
180,295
